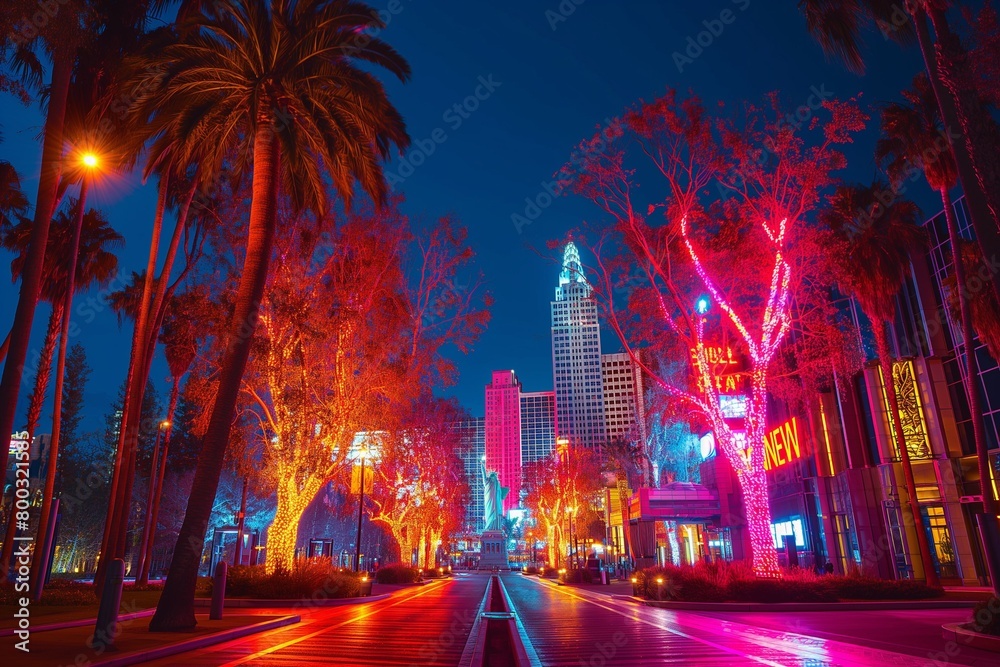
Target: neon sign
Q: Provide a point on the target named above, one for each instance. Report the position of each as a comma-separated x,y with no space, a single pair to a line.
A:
781,445
733,406
723,364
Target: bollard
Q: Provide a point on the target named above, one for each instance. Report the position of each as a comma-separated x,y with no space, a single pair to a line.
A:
106,628
635,586
660,589
218,591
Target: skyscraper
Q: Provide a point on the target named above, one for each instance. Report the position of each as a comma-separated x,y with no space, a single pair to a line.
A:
474,448
624,406
538,425
503,433
538,430
576,357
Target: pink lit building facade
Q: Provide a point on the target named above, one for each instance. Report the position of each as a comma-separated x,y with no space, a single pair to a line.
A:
503,433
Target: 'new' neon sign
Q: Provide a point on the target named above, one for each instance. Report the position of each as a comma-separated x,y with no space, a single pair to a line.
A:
781,445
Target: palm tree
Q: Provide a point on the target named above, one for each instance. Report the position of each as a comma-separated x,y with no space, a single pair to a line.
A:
98,238
296,108
872,265
984,304
13,204
60,37
912,134
97,265
180,338
837,26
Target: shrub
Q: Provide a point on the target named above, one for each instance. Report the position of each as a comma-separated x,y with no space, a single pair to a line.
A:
986,616
58,592
312,579
531,569
577,575
871,588
779,590
397,574
549,573
722,581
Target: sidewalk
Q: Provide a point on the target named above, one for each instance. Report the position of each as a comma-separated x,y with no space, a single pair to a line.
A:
135,643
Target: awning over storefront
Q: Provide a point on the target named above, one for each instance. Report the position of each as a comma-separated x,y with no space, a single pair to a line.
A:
684,502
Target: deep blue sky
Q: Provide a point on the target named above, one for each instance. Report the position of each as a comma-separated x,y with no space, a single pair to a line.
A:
556,87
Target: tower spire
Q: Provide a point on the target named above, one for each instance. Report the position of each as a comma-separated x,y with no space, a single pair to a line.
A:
572,271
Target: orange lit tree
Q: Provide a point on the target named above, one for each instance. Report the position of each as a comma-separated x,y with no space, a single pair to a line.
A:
419,487
560,487
343,339
718,248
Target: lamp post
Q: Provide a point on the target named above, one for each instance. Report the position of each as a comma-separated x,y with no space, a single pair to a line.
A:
40,562
363,453
572,539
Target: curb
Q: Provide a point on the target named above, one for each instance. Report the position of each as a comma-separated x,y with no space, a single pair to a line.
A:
197,643
962,635
250,603
79,622
877,605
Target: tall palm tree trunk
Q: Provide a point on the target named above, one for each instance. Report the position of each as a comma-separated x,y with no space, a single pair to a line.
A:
888,383
982,212
31,276
175,610
4,346
971,361
44,372
153,507
34,413
153,322
40,563
115,508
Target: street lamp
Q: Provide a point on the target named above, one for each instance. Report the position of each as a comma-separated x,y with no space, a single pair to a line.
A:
40,563
572,541
363,454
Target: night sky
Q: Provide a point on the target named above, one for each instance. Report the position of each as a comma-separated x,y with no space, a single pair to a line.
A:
550,89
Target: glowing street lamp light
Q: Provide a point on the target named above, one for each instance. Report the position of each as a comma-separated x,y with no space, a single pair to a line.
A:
40,564
702,305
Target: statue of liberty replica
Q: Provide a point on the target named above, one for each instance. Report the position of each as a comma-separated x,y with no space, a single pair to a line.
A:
493,549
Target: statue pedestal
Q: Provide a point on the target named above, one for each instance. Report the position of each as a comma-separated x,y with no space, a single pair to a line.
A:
493,550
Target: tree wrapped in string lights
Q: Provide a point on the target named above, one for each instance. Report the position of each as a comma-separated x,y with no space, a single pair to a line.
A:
346,340
707,270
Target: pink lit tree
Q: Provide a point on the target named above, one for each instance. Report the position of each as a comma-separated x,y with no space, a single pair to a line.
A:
705,271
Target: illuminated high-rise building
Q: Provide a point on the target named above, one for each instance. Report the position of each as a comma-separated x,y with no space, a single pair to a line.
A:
538,429
503,433
473,433
576,357
624,406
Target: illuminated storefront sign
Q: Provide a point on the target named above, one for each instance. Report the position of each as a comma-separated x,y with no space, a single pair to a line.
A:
724,367
911,411
781,445
733,407
781,528
707,443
